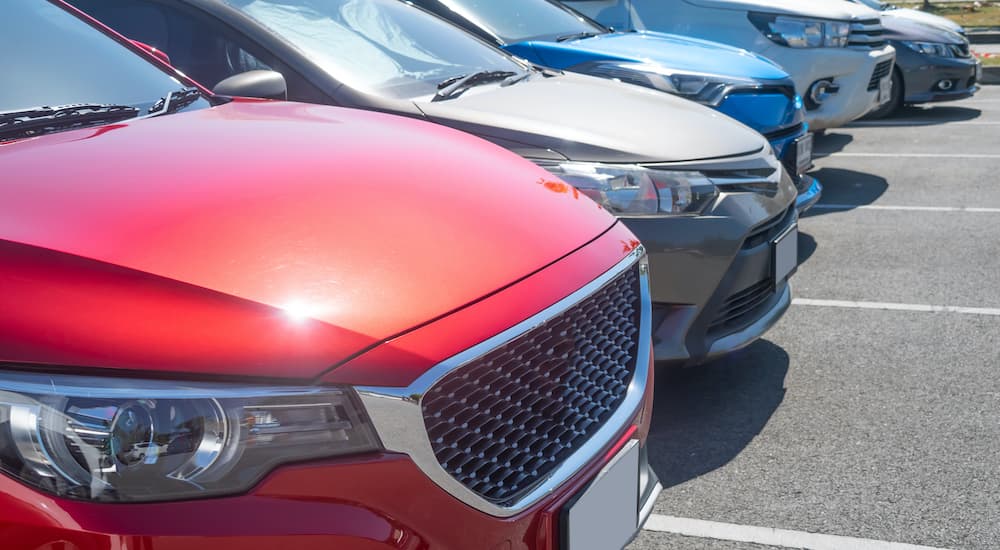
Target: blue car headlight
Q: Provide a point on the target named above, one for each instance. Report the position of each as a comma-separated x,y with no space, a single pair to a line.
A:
706,88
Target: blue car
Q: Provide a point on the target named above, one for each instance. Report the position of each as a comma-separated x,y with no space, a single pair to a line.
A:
736,82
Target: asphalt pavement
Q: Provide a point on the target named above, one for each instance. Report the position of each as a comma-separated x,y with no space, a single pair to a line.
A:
869,417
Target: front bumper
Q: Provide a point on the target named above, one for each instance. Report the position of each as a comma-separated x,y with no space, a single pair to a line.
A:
810,191
922,73
711,280
379,501
809,188
384,500
849,68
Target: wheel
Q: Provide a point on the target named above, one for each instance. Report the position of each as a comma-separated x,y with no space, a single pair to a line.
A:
895,99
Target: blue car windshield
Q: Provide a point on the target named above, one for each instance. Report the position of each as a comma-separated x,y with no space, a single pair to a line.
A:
520,20
617,14
384,47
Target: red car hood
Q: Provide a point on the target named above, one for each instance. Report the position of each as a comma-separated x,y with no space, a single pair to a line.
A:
264,239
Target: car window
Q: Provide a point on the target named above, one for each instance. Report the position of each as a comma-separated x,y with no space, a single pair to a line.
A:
516,20
198,46
71,62
383,47
873,4
617,14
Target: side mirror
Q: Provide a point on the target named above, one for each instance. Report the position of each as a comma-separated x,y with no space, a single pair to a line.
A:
159,54
259,83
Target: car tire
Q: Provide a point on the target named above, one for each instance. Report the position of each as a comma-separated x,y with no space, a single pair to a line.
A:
895,101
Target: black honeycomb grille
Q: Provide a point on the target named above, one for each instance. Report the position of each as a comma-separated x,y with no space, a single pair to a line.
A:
501,423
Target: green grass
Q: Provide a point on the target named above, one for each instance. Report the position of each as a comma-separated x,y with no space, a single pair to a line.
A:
963,13
990,61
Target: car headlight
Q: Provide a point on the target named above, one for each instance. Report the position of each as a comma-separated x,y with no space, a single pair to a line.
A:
931,48
705,88
124,440
632,190
801,32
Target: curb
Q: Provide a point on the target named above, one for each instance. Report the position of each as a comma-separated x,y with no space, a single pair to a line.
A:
991,75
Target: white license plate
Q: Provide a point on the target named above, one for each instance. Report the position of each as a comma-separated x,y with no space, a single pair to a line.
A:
804,153
606,515
885,90
786,253
979,71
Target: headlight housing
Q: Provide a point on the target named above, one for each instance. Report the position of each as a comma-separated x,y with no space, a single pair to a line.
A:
632,190
706,88
802,32
125,440
933,48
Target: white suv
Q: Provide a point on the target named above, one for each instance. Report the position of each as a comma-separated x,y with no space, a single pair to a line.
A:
833,49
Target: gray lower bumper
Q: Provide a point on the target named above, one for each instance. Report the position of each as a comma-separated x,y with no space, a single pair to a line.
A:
753,332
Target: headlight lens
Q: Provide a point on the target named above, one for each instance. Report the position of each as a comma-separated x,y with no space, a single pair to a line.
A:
706,88
637,191
118,440
800,32
931,48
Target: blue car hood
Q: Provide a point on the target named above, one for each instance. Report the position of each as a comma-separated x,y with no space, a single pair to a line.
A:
669,50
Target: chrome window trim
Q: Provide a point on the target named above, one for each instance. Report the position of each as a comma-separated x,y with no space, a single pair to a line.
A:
398,418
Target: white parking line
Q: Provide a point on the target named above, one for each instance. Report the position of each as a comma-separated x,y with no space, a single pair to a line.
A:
920,123
911,155
973,209
922,308
768,536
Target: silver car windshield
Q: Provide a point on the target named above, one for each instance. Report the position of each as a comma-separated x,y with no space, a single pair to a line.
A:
384,47
521,20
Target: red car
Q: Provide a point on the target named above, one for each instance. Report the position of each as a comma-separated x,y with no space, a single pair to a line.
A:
253,324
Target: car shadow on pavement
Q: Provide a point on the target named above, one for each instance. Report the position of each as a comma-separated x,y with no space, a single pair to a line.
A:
847,189
705,416
829,143
922,116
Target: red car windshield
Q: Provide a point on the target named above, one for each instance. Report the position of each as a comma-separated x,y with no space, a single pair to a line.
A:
82,64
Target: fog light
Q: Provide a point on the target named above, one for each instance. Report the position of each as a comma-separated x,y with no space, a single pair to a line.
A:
820,91
945,85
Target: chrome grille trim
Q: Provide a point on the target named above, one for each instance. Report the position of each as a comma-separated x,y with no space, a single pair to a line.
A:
866,34
501,422
399,421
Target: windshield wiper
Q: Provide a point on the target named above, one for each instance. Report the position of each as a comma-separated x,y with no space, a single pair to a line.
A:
36,121
174,101
457,84
577,36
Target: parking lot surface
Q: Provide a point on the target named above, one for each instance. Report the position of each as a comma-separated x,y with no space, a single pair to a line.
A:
869,418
